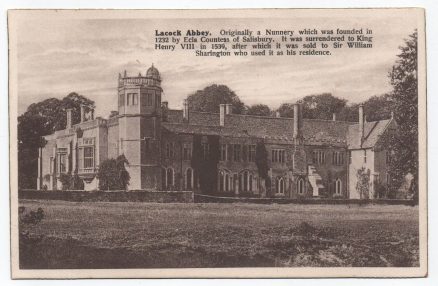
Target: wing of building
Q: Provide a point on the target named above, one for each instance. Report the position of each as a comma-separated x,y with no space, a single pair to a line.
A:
305,157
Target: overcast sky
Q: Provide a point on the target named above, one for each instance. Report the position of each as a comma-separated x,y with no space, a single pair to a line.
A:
57,56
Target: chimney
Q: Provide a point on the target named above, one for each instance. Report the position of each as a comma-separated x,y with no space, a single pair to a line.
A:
185,110
228,108
69,119
297,120
222,109
164,110
361,122
82,113
334,117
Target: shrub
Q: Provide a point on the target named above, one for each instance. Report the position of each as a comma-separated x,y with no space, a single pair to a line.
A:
113,174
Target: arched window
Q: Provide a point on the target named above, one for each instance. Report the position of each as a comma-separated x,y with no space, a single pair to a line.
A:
227,182
280,185
250,182
169,175
163,178
221,181
245,181
189,178
300,186
338,186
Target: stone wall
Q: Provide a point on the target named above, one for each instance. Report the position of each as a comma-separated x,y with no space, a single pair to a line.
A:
108,196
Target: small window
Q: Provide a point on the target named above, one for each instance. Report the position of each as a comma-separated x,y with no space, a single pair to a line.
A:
223,152
229,152
338,158
170,150
62,162
237,152
169,177
364,156
318,157
244,153
338,186
149,100
251,153
88,157
187,151
134,99
280,186
300,186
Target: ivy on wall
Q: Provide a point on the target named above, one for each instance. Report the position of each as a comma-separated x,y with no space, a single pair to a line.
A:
261,161
363,182
206,169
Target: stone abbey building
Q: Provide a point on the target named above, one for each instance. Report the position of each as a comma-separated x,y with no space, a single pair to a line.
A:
305,157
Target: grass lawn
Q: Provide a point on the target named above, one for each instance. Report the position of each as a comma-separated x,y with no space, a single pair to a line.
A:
150,235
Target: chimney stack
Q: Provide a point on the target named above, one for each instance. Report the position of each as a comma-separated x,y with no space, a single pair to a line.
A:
297,120
334,116
82,113
361,122
69,118
228,108
185,110
165,104
222,110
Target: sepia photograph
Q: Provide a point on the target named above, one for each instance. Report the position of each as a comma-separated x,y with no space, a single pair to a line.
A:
218,143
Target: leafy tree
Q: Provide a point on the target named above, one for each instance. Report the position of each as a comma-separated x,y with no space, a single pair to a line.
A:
259,109
209,99
319,106
286,110
113,175
363,182
375,108
403,144
41,119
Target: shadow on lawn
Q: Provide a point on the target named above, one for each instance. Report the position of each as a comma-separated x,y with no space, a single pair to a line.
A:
304,245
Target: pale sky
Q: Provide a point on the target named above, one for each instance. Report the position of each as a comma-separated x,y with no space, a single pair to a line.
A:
56,57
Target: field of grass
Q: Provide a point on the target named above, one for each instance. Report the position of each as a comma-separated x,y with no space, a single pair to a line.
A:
150,235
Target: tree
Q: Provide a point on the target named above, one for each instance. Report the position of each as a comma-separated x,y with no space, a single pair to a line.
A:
363,182
259,110
41,119
377,107
113,175
286,110
403,144
209,99
319,106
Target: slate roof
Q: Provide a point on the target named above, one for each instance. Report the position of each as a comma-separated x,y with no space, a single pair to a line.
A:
314,131
372,132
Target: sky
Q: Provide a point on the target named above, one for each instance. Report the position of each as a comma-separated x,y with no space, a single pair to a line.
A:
59,55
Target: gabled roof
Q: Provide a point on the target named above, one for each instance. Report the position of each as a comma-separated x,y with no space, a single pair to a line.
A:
372,132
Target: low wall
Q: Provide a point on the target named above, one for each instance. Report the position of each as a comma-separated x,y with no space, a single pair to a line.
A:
198,198
108,196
